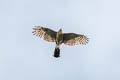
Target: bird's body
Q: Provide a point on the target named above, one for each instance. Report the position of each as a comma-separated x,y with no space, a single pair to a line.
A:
59,37
59,40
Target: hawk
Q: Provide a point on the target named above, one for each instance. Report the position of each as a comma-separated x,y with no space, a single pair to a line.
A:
59,37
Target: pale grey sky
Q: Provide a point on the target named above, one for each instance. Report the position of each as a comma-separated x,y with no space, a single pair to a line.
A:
27,57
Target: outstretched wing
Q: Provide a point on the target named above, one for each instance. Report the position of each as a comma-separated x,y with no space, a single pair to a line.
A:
45,33
74,39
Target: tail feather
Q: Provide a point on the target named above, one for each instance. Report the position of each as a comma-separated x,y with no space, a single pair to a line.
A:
57,52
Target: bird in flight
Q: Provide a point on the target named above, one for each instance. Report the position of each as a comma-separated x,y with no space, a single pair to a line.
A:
59,37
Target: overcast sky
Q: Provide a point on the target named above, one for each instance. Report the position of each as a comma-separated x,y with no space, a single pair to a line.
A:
27,57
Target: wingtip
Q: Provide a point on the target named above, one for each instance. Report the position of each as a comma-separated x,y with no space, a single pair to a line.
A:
33,28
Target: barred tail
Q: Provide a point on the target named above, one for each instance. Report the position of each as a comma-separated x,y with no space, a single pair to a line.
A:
57,52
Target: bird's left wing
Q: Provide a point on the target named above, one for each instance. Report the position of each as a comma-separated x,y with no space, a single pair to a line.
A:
72,39
45,33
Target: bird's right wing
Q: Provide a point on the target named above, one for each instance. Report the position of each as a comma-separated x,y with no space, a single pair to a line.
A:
72,39
45,33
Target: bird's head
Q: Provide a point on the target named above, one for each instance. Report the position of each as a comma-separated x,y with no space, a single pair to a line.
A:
60,30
